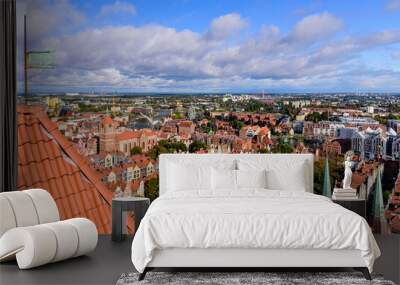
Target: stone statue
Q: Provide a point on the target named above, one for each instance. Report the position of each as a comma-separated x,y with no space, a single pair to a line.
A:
347,173
140,191
118,192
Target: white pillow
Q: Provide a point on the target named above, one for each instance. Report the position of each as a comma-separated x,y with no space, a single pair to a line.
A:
174,173
183,178
282,173
278,179
251,178
223,179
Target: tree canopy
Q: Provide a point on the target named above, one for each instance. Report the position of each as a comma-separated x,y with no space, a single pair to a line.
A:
151,189
176,116
166,146
237,125
384,119
336,168
290,110
282,147
136,150
196,146
317,117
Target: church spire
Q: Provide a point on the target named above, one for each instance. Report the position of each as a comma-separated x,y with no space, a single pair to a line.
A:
326,188
377,207
378,197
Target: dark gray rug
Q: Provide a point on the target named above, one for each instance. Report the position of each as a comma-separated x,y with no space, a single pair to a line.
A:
275,278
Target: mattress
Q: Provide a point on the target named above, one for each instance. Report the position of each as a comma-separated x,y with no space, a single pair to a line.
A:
250,219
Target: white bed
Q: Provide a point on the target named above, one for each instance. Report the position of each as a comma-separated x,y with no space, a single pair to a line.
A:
232,226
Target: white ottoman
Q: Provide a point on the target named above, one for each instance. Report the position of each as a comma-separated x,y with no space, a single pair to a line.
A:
33,243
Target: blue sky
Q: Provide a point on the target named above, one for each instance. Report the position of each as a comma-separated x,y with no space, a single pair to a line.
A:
216,46
359,16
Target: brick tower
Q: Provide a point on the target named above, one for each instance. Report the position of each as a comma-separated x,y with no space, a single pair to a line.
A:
108,135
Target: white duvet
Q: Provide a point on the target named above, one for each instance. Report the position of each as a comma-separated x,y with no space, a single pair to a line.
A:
253,218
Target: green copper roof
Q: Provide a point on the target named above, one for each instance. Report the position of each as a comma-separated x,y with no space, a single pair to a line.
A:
326,187
378,197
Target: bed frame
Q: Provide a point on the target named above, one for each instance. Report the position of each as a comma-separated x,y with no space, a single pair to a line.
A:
245,259
250,259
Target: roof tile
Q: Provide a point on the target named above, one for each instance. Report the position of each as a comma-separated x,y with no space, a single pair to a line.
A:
27,153
43,152
84,199
53,189
42,175
61,166
59,137
54,167
53,150
37,133
47,169
47,160
21,181
78,180
22,156
22,135
74,205
48,124
67,208
60,206
69,189
79,202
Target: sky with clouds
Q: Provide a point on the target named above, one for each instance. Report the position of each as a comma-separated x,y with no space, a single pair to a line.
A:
214,46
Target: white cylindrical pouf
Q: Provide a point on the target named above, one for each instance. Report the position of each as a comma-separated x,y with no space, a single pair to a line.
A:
23,208
7,218
87,235
34,246
67,239
45,205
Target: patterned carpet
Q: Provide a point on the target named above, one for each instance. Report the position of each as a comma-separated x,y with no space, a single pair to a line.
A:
225,278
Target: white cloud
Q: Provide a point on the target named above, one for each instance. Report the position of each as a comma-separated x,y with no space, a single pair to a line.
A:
118,7
155,57
225,26
382,38
395,55
392,5
46,17
75,77
315,27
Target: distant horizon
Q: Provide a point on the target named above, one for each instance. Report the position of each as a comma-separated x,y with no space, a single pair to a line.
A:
208,93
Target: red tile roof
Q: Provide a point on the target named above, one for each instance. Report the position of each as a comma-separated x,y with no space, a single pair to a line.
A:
263,131
185,124
107,121
46,159
127,135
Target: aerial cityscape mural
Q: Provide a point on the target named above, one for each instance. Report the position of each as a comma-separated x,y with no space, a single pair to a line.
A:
126,83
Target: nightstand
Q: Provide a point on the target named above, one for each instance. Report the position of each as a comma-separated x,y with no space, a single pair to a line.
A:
139,207
358,206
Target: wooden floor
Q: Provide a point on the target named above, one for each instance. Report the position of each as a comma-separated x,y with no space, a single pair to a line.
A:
110,260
